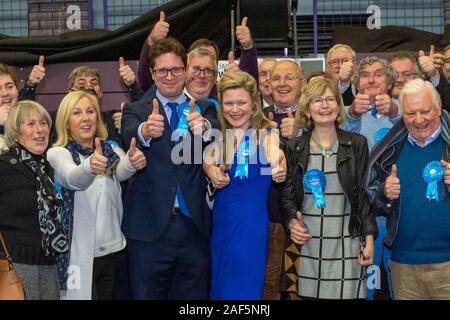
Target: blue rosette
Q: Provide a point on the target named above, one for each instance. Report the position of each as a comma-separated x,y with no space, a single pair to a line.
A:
245,150
315,181
433,173
183,110
380,134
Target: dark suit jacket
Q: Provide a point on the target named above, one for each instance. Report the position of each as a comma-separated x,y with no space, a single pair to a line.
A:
150,197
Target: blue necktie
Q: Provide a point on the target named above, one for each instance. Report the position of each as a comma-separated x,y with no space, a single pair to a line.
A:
174,116
173,125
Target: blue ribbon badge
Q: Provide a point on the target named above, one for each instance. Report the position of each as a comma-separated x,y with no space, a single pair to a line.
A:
433,173
245,150
183,111
380,134
315,181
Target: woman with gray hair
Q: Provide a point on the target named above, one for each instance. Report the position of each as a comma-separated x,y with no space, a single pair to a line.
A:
29,205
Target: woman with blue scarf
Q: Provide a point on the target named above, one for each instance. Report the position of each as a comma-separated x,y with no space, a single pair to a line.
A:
330,221
241,167
88,171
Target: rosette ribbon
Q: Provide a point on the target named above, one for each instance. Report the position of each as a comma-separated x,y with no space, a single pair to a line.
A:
245,150
315,182
433,173
183,111
380,134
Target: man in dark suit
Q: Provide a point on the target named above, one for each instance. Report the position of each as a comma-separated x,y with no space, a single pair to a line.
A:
166,218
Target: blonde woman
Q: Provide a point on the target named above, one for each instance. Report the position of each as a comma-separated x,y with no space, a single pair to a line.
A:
241,168
89,171
327,211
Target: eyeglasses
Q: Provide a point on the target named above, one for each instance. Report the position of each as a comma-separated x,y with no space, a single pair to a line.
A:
376,74
84,89
337,62
207,72
407,75
287,78
163,72
318,101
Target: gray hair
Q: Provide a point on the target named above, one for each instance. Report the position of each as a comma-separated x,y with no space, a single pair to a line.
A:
418,85
391,74
20,113
401,55
81,71
340,45
202,52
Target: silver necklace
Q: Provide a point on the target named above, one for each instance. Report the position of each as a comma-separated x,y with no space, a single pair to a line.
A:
326,152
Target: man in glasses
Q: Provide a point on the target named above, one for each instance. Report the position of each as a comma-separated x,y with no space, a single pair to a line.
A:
341,67
167,220
201,73
407,69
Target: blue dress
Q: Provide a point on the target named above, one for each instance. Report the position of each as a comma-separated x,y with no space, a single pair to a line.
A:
240,230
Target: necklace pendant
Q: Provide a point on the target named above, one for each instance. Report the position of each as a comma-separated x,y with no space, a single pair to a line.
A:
327,153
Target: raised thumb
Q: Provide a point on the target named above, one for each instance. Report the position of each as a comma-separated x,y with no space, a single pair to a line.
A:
155,106
444,163
230,57
191,106
162,16
132,150
41,61
394,171
421,53
121,62
271,116
98,146
289,113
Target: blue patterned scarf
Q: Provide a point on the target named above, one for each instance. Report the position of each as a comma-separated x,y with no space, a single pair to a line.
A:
68,196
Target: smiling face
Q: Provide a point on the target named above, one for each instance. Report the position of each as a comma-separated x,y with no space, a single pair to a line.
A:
373,79
199,84
34,133
8,91
237,108
82,123
421,115
406,71
286,84
169,86
323,109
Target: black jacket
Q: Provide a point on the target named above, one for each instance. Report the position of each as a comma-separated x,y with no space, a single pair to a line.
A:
352,159
19,222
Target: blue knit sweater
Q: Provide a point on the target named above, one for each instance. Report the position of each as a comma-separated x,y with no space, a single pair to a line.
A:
424,228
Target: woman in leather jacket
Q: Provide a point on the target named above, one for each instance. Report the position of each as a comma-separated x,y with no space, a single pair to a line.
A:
327,213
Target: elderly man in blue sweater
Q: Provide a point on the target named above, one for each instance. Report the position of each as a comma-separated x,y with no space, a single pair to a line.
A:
408,181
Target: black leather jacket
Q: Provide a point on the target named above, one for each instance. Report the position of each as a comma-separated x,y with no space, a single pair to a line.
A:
352,159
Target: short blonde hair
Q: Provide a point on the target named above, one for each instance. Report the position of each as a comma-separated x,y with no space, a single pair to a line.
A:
64,111
315,88
20,112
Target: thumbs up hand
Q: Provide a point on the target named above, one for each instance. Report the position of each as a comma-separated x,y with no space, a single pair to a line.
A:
346,71
288,128
446,165
159,31
279,168
299,234
195,120
136,156
98,161
392,185
426,63
154,127
126,73
273,123
37,73
117,116
219,177
231,66
244,35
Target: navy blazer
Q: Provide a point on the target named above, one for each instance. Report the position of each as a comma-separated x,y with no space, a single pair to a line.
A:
150,196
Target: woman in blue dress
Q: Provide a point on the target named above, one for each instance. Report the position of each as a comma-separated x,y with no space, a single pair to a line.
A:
241,167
